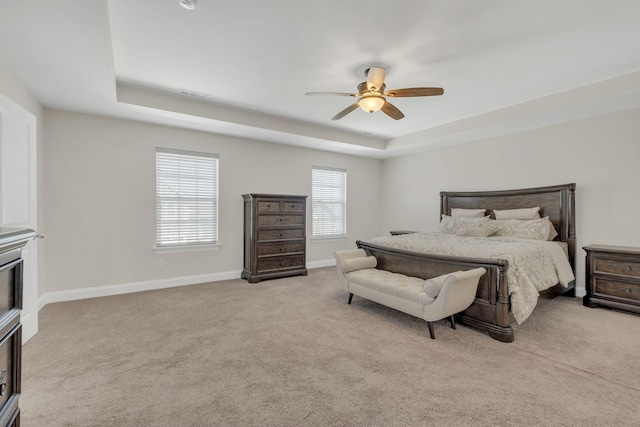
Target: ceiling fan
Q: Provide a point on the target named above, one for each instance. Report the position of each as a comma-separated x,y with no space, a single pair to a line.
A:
372,96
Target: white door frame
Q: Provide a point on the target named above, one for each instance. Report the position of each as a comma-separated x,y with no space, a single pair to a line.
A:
27,213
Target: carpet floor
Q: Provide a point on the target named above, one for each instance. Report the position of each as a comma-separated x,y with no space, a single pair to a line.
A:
291,352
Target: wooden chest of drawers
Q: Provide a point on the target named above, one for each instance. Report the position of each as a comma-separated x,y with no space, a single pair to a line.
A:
613,277
274,236
11,275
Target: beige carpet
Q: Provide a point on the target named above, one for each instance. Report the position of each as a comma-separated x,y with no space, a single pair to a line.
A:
291,352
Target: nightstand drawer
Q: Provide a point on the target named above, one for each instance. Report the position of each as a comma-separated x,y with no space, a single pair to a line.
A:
280,248
293,206
10,280
270,206
277,263
604,287
280,220
10,355
613,266
295,233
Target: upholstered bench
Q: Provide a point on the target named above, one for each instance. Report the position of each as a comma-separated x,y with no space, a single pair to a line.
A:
432,299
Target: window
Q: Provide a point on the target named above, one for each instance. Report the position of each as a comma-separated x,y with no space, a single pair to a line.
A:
329,202
186,198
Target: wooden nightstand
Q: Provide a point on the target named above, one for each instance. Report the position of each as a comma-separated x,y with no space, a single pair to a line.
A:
613,277
399,232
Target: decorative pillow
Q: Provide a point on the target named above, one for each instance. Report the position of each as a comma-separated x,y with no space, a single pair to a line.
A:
476,229
526,213
432,286
449,224
536,229
470,213
359,263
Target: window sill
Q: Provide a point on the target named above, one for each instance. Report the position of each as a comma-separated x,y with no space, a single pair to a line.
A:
329,238
187,248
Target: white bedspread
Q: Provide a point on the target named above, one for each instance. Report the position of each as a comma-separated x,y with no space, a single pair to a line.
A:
534,265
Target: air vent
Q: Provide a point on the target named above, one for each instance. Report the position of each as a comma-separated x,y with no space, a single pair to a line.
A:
193,94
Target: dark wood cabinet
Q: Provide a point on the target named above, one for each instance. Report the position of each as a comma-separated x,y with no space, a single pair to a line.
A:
274,236
613,277
400,232
11,274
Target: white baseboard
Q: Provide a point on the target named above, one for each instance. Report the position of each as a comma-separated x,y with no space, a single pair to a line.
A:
29,326
127,288
320,264
149,285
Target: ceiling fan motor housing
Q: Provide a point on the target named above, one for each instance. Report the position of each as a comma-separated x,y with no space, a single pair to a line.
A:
375,77
363,89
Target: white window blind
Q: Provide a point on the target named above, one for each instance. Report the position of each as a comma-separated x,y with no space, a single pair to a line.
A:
186,198
329,202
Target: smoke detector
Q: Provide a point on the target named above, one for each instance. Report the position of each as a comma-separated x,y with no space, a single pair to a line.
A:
188,4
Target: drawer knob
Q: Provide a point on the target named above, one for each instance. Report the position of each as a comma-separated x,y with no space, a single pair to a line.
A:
268,205
628,268
280,234
628,290
3,386
280,219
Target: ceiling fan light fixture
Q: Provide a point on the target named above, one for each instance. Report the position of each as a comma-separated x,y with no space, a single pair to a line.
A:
188,4
371,103
372,95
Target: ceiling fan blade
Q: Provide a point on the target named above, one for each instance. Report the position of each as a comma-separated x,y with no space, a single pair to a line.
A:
375,78
415,91
390,110
330,93
346,111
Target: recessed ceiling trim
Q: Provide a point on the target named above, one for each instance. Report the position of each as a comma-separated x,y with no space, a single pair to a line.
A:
209,110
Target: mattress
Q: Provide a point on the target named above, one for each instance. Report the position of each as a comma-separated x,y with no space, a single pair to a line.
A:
534,265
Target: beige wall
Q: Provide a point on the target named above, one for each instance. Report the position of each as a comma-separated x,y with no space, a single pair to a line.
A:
100,198
96,188
599,154
12,88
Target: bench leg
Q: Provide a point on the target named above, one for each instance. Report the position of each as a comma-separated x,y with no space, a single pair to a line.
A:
453,322
433,335
350,298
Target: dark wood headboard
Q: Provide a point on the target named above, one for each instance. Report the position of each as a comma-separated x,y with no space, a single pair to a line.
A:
557,202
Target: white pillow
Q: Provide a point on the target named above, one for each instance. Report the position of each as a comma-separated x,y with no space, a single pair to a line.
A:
471,213
433,286
552,231
536,229
358,263
476,229
526,213
449,224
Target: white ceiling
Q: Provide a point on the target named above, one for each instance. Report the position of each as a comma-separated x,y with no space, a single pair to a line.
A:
505,65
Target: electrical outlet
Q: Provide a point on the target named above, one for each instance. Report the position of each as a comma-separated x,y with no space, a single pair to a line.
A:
160,263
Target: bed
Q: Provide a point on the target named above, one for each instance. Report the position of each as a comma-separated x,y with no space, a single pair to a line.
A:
492,308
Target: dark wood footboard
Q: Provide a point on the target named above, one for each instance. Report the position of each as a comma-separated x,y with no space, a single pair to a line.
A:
490,311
